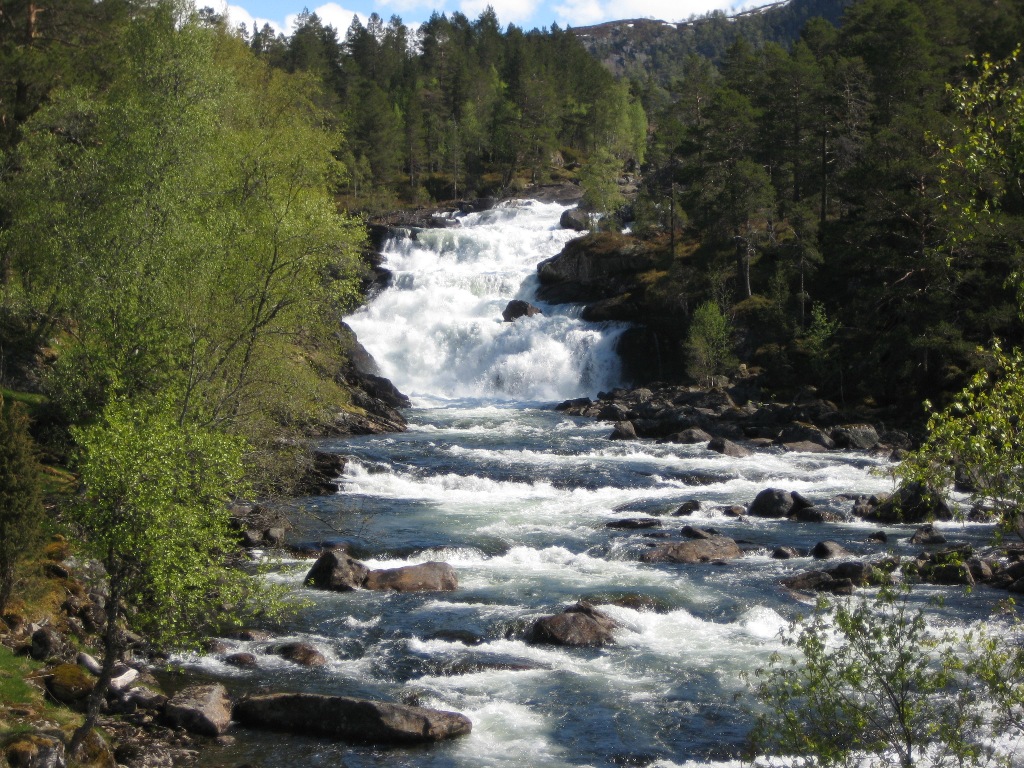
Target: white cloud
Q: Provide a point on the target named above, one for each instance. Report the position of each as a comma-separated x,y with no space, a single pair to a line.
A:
580,13
238,15
509,11
331,14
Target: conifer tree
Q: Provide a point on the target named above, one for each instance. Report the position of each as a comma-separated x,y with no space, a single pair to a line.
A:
21,507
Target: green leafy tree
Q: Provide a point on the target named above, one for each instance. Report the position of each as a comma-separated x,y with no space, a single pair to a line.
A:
868,679
21,507
977,438
153,511
709,343
599,180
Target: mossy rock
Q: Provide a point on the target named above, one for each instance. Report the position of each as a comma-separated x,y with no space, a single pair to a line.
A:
96,752
35,750
70,685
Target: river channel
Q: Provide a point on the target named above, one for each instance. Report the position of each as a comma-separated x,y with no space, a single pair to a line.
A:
516,496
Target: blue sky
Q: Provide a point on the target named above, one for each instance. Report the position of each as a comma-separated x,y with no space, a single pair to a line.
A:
524,13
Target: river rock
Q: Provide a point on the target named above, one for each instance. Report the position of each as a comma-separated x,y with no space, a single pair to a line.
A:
634,523
518,308
202,709
580,625
687,508
862,437
799,433
574,219
817,515
728,448
624,430
335,570
771,502
912,503
827,550
819,581
241,659
785,553
695,551
689,436
926,535
303,654
804,446
424,577
348,719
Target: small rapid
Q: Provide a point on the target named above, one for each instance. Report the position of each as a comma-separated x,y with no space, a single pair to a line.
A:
517,497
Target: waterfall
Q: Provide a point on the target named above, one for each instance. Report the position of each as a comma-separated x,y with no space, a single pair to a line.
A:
437,332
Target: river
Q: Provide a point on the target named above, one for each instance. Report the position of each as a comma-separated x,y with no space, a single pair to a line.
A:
516,496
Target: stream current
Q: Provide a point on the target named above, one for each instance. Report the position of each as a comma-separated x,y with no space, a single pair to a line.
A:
516,496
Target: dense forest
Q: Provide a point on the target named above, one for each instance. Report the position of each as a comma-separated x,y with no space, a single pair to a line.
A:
460,107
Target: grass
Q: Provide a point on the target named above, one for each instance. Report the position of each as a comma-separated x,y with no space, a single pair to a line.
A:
23,704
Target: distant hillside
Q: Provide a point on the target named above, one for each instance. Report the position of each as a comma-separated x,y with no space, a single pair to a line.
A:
638,48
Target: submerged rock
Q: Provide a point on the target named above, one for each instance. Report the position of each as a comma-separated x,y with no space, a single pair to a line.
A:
695,551
358,720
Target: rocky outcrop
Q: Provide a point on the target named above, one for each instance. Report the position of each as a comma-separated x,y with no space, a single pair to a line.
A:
335,570
595,266
704,550
347,719
580,625
375,402
202,709
322,473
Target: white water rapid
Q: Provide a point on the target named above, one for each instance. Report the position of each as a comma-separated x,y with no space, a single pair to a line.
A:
438,332
517,497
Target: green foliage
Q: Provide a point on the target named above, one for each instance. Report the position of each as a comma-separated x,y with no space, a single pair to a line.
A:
978,440
154,513
179,221
599,180
709,343
21,507
869,678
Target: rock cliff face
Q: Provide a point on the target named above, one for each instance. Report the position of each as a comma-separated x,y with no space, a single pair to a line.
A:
376,402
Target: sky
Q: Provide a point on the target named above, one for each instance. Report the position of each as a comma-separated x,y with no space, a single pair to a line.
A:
528,14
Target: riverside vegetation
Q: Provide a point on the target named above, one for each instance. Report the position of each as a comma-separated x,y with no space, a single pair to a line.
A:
175,269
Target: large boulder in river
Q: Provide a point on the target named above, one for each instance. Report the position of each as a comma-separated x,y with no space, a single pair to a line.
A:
337,571
580,625
771,502
695,551
518,308
424,577
340,717
202,709
574,219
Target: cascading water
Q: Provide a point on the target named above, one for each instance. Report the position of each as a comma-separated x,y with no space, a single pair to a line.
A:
516,497
438,332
